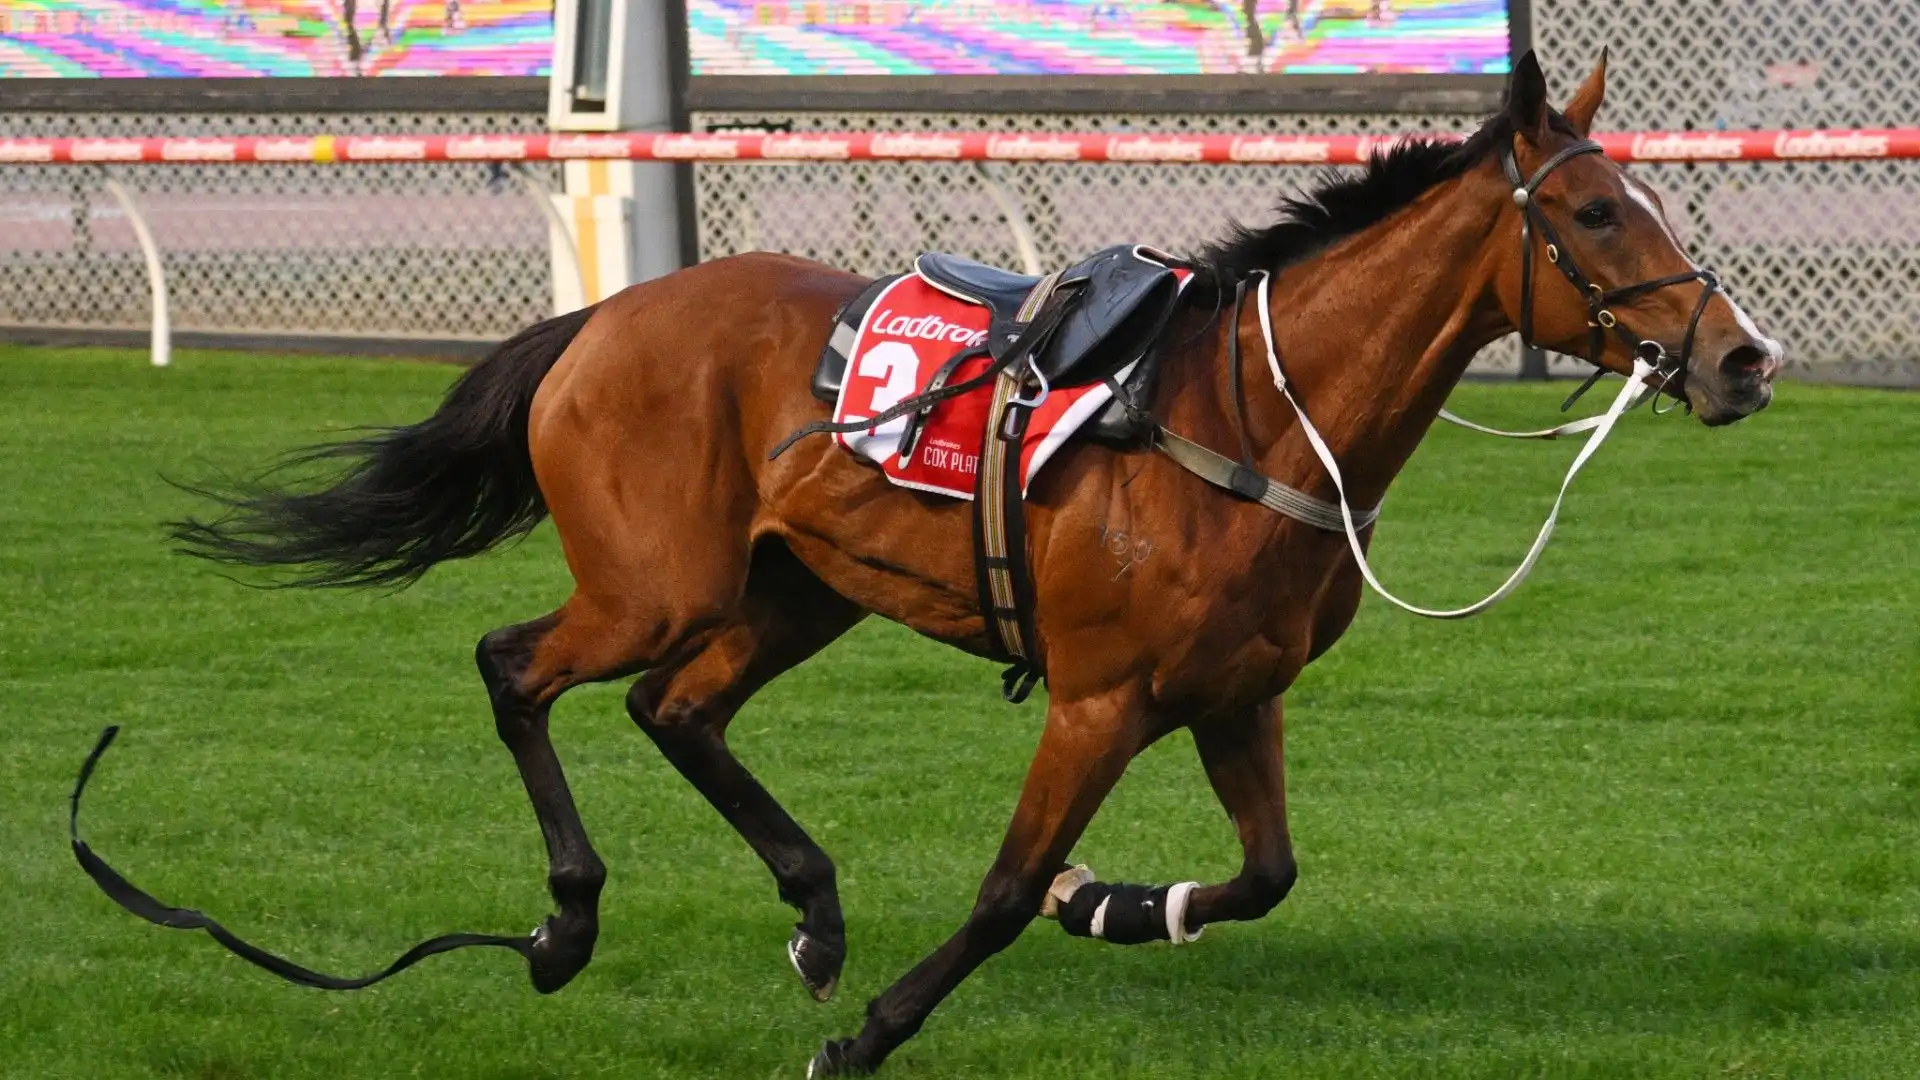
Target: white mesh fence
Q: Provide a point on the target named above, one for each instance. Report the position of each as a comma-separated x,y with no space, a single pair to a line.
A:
442,250
1826,254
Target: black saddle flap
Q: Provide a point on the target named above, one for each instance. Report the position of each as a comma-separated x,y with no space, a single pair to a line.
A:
1123,301
1117,302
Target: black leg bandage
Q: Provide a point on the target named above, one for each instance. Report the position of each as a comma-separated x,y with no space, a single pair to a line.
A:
1127,914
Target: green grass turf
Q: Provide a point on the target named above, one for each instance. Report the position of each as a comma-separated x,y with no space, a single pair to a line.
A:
1658,816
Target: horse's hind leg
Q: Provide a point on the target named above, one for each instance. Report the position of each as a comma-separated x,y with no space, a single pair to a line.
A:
526,667
786,616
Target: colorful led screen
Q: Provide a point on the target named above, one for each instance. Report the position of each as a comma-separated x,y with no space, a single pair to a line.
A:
1096,37
239,38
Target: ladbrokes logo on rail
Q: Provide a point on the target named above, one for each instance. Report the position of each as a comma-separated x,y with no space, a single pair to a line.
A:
286,150
587,146
917,146
689,147
1033,148
1279,148
1678,147
11,150
1155,148
380,148
490,147
1823,144
807,147
199,150
108,150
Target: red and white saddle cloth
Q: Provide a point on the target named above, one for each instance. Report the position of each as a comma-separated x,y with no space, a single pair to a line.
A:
910,330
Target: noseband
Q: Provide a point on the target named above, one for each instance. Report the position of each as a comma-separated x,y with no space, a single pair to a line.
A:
1600,316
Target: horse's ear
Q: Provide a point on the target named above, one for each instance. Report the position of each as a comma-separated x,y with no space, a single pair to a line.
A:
1586,101
1527,99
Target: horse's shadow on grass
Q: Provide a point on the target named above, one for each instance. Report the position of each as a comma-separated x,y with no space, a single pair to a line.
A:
1597,977
1265,989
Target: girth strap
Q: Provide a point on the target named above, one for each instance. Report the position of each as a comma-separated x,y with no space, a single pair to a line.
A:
1004,583
131,897
1000,539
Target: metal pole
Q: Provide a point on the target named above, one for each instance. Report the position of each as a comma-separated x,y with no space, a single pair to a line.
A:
543,195
1016,216
162,344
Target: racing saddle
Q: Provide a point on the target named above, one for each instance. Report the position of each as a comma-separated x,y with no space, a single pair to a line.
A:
1113,307
1098,320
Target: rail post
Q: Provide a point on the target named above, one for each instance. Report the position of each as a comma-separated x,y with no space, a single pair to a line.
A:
569,249
162,338
1015,215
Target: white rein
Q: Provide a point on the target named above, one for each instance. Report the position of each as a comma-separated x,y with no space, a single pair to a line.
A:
1630,395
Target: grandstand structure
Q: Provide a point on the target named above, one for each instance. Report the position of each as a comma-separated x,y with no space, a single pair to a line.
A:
444,257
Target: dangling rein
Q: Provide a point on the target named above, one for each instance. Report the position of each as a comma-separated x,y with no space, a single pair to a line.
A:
1636,389
130,896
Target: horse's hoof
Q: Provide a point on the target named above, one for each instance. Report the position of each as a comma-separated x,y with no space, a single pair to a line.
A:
557,955
1065,884
816,962
835,1059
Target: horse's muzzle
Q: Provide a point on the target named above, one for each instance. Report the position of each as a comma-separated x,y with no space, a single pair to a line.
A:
1734,382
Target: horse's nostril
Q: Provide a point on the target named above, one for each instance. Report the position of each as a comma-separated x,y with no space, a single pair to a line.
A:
1744,360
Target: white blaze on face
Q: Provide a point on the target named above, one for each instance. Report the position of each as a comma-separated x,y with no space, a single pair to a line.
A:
1642,195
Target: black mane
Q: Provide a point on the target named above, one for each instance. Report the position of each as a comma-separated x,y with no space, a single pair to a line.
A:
1341,204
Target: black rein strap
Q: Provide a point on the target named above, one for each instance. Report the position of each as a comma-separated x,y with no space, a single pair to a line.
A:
129,896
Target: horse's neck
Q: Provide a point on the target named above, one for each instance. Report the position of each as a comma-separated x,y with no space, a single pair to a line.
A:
1372,334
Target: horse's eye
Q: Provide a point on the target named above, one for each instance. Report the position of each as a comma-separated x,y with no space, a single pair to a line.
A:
1597,214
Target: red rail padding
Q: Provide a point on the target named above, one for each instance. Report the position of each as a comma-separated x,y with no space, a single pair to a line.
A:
917,146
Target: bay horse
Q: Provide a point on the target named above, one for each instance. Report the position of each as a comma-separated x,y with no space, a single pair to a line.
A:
643,427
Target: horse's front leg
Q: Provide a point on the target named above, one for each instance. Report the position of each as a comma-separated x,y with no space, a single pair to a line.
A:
1242,753
1083,751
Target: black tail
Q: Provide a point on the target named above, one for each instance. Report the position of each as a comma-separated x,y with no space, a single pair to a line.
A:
452,485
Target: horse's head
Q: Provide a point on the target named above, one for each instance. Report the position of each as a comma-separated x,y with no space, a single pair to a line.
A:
1597,271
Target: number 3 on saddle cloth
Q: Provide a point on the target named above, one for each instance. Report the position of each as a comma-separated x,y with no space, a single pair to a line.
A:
1048,359
912,332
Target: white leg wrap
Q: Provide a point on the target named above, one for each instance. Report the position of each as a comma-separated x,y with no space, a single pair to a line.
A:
1177,896
1099,928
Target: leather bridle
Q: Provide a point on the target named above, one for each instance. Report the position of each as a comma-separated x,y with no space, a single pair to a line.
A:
1600,317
